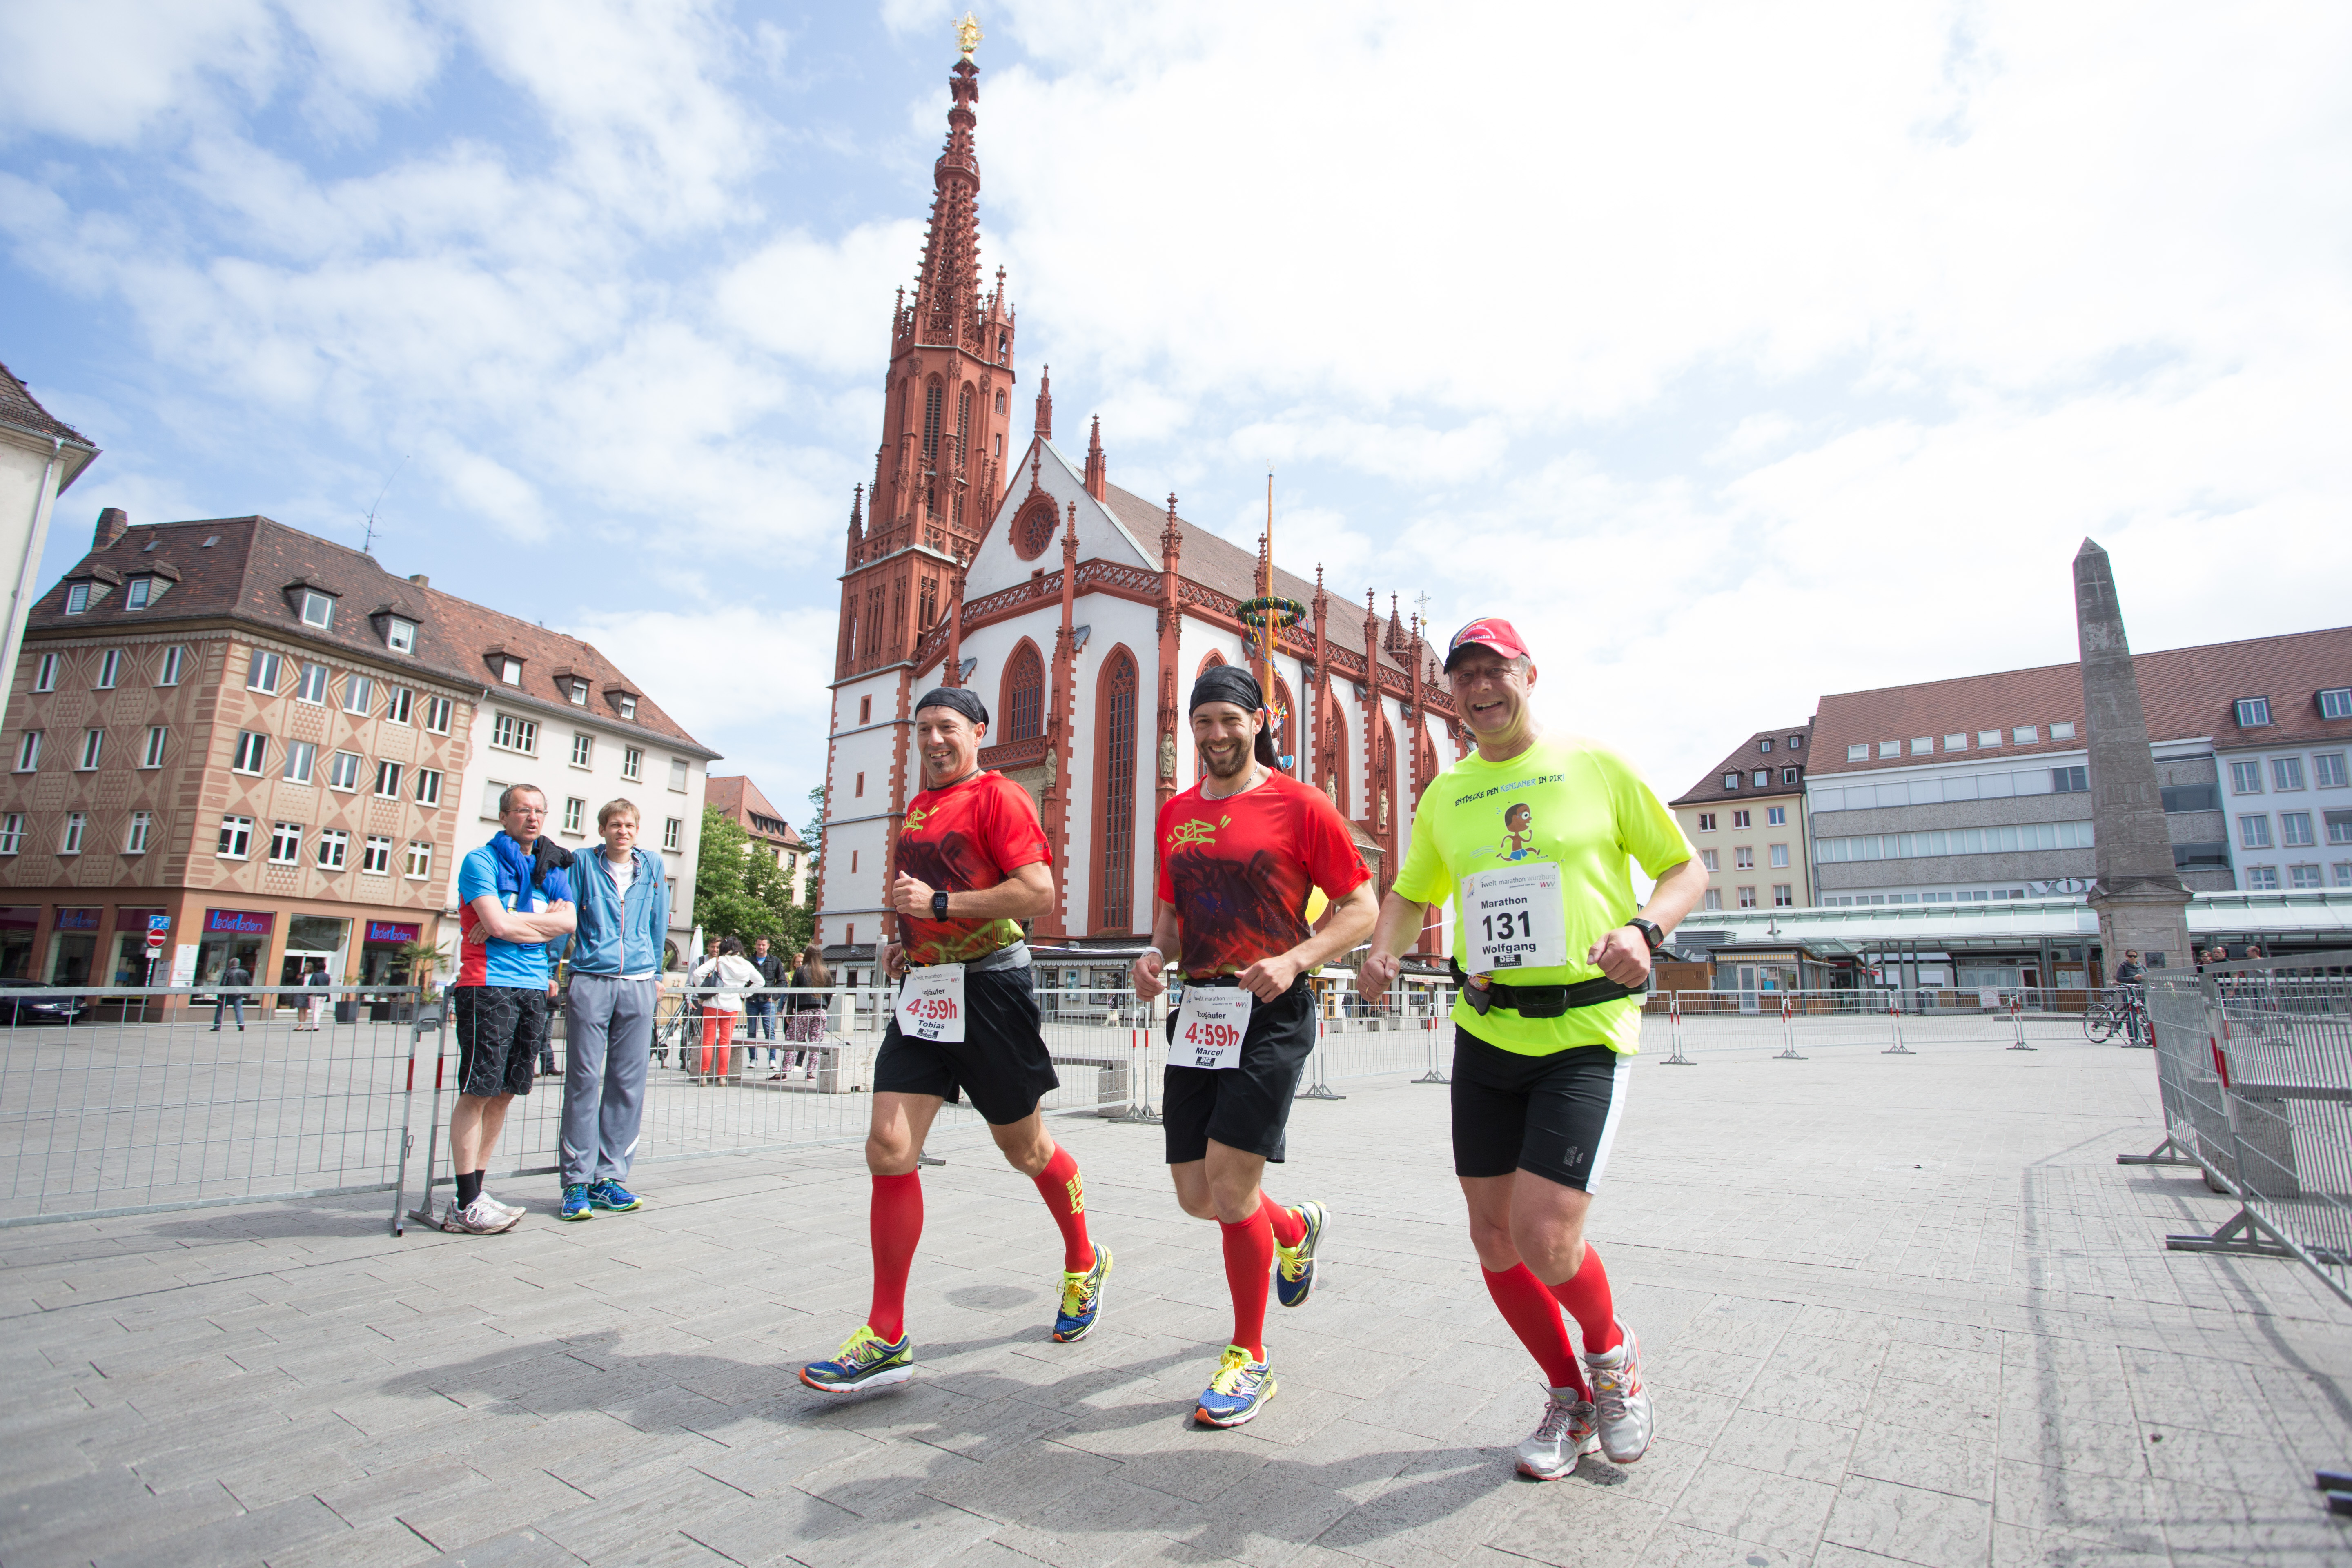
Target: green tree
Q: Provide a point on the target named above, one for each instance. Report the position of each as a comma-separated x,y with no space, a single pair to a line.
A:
813,832
741,891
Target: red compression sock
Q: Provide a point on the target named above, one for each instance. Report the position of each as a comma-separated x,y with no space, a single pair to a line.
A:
1066,1197
1249,1261
1289,1230
896,1221
1588,1301
1534,1316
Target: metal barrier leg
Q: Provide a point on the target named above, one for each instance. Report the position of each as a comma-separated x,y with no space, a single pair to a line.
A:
2242,1235
2157,1156
1675,1025
1788,1033
424,1215
1433,1075
1139,1104
1894,1021
1319,1090
2017,1022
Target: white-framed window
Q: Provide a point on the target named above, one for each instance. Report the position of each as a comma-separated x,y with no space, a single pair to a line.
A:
28,753
1714,898
584,747
12,833
175,660
1740,818
2253,714
135,836
69,841
428,786
136,594
491,790
358,694
1747,897
575,812
2025,734
286,844
2262,879
387,781
1957,741
677,774
93,747
2254,832
420,860
633,762
509,733
1890,748
2287,773
252,752
2294,830
1780,856
1987,737
2303,877
579,692
511,671
343,770
2246,778
1731,781
2335,702
1923,745
2327,770
235,838
333,844
77,598
44,673
1763,779
399,703
318,609
673,833
628,708
312,687
1743,858
437,714
109,669
2343,871
2339,826
375,856
400,636
301,758
1789,775
1706,822
262,674
1784,895
2063,730
1858,753
2075,780
1706,857
1764,743
158,737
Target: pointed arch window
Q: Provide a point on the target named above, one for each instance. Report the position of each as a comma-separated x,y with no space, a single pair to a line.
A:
962,445
1024,701
1116,765
1285,726
932,396
1331,741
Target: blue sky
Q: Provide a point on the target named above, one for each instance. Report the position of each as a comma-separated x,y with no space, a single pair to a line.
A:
1744,354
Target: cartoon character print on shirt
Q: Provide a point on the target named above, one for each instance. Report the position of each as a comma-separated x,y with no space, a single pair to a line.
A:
1518,838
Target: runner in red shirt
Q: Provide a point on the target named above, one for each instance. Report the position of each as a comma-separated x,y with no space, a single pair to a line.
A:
970,865
1240,852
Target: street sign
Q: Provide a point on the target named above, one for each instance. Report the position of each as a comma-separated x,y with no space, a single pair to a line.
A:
155,939
158,923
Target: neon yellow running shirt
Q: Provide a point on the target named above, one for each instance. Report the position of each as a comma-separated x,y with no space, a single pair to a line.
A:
1563,802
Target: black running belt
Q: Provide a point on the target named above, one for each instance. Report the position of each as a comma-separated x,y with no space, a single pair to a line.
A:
1539,1001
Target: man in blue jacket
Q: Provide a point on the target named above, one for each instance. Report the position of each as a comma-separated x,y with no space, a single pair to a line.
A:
616,959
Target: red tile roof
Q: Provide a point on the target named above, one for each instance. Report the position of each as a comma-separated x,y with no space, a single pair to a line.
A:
1745,757
20,408
737,797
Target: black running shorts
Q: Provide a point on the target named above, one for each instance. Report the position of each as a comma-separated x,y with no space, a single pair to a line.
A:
501,1032
1001,1064
1245,1107
1555,1115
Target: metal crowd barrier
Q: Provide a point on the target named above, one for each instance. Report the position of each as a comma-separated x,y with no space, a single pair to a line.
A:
2254,1076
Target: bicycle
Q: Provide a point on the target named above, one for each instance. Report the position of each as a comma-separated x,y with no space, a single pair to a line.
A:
2104,1018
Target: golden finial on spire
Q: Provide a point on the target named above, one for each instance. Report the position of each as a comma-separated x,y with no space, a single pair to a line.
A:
968,34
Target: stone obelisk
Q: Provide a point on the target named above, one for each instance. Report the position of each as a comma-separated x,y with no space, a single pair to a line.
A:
2140,898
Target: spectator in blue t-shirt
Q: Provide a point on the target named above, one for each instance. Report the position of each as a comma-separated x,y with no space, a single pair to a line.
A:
516,907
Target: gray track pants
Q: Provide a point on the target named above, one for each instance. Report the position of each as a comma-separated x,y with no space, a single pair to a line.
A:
609,1034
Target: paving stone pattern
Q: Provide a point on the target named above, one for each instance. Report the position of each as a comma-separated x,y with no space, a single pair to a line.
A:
1895,1310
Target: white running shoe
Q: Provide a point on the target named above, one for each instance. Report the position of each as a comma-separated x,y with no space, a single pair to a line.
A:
1566,1433
1620,1404
480,1217
517,1210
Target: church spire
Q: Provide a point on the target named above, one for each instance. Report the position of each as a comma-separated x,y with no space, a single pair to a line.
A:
1098,469
1046,404
947,290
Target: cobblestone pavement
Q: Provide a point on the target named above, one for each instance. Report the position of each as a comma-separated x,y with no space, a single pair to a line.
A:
1894,1309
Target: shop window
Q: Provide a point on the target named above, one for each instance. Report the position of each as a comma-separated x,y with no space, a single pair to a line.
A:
73,947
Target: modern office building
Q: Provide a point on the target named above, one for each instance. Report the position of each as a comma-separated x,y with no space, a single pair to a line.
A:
1748,819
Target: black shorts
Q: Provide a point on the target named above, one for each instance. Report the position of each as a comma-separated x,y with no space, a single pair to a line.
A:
1555,1115
1245,1107
501,1029
1001,1063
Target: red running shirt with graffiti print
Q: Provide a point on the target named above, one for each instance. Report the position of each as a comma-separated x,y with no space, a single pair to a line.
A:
1238,869
963,839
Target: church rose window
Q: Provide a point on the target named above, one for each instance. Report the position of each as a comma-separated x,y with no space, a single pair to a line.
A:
1116,903
1034,532
1024,694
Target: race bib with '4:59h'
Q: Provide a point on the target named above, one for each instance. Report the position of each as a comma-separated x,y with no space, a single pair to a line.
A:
1209,1028
930,1004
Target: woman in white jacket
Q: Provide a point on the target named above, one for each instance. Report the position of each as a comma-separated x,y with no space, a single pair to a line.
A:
733,974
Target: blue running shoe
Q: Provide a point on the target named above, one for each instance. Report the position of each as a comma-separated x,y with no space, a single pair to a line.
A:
1237,1392
575,1202
1293,1270
609,1194
1082,1300
866,1361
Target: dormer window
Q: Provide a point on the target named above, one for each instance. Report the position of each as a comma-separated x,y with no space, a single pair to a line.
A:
400,636
2253,712
1731,781
135,597
1764,744
629,707
318,609
579,692
1796,743
510,669
77,598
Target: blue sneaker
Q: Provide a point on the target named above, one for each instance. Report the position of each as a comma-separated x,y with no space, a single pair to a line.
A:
1294,1272
1082,1300
609,1194
575,1202
1237,1392
866,1361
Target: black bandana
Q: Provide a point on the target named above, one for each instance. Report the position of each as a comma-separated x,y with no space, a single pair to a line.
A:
958,698
1232,683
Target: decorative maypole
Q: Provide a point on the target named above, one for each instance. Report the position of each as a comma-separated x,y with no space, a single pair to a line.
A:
1265,618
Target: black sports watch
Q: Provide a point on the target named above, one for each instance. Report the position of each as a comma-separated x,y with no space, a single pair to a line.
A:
940,905
1650,933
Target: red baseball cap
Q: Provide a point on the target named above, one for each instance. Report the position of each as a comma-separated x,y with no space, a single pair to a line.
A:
1488,631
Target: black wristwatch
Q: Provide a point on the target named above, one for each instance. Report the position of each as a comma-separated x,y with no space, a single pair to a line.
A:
1650,933
940,905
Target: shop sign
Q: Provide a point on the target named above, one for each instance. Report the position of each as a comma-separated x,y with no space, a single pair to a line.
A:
77,920
238,922
393,930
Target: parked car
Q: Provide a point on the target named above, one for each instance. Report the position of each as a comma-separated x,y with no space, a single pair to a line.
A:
20,1009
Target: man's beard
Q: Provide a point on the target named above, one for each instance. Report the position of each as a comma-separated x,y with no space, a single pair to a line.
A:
1243,755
